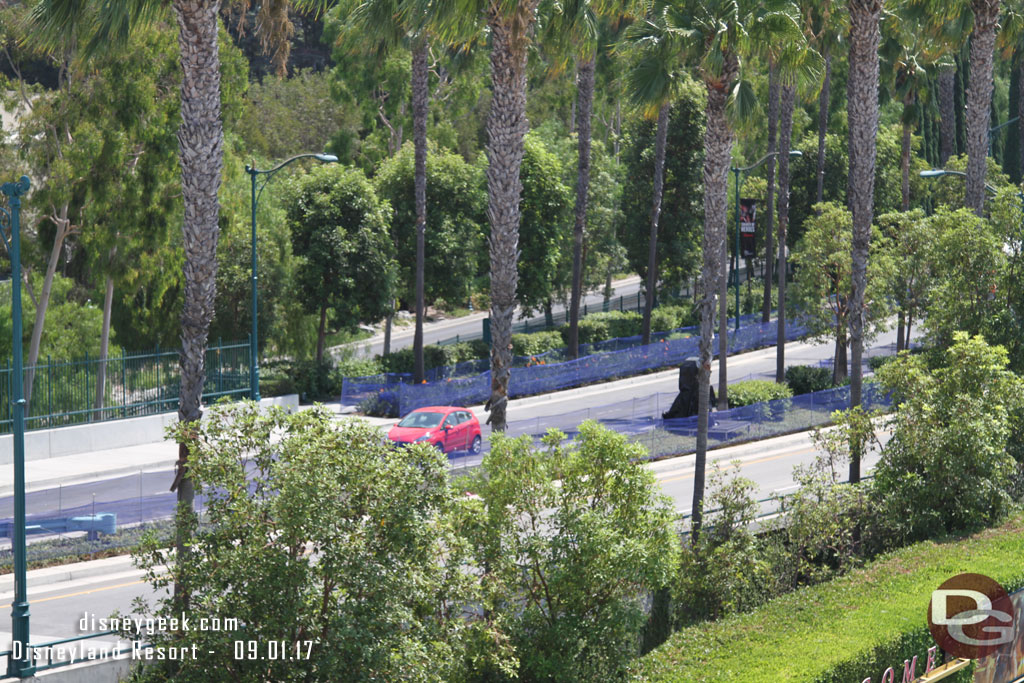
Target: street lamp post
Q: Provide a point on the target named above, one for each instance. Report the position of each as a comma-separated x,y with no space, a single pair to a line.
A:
737,171
939,172
20,666
254,369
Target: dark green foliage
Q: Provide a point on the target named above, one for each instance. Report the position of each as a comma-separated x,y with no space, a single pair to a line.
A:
606,325
536,342
1011,149
754,391
665,318
680,227
803,379
456,204
434,356
876,362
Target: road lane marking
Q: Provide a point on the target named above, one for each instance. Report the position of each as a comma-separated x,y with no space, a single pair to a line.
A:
745,463
33,601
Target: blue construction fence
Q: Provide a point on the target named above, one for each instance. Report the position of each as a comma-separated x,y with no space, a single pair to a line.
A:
543,373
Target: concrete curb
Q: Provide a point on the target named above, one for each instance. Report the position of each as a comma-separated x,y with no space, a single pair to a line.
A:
86,477
71,572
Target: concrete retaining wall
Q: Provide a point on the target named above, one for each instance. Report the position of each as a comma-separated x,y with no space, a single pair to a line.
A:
134,431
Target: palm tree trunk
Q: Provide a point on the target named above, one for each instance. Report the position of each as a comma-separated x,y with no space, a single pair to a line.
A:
389,319
979,100
862,108
717,148
823,104
788,102
60,220
200,142
585,97
652,251
839,367
101,372
905,153
420,102
506,127
773,123
723,322
1020,113
947,113
321,334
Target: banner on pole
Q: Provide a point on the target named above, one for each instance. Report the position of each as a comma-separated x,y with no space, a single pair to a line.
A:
748,209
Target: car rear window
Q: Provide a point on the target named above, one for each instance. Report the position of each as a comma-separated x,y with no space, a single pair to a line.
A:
424,420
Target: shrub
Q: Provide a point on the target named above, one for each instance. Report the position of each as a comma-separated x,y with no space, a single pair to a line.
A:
382,404
592,329
315,381
876,362
434,356
535,342
756,391
359,367
803,379
665,318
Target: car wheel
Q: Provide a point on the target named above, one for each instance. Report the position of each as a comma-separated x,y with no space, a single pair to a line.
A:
475,448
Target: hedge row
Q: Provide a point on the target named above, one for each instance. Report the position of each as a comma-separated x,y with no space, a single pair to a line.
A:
848,629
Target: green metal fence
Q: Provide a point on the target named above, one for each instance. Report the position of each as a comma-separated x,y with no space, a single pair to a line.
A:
135,383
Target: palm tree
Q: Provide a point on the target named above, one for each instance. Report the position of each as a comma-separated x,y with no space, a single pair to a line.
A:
862,108
200,144
717,33
787,104
651,83
386,24
773,125
510,25
979,99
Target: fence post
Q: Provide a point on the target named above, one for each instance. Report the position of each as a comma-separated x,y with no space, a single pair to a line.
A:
124,385
159,387
220,367
49,388
622,304
87,392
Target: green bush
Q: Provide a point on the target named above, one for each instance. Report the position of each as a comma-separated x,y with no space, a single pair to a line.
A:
844,630
359,367
536,342
756,391
315,381
434,356
591,329
665,318
803,379
876,362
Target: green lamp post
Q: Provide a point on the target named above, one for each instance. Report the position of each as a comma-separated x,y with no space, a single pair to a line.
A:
737,172
19,666
254,173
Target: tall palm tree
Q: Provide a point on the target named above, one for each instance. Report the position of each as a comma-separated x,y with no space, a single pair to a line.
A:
384,24
651,82
786,104
200,144
862,112
717,34
979,99
773,126
510,26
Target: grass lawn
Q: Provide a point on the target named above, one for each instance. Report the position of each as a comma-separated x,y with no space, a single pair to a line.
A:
848,628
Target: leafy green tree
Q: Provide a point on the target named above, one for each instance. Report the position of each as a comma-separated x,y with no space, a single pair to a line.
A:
678,245
456,236
74,328
543,231
340,234
910,237
823,270
966,258
571,539
946,466
327,541
288,116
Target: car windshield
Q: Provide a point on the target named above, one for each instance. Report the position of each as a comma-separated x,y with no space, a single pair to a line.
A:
421,420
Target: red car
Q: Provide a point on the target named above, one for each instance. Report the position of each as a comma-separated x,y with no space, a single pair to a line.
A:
447,428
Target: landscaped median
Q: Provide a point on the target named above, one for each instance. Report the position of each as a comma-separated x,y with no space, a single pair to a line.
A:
846,630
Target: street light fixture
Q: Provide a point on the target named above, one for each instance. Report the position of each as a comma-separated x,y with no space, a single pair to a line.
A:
939,172
737,171
254,369
20,666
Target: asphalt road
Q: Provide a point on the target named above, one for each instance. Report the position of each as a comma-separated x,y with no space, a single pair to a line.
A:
471,326
56,609
145,496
